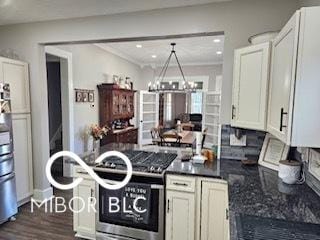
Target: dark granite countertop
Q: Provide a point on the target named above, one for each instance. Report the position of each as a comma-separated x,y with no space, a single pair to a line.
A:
209,169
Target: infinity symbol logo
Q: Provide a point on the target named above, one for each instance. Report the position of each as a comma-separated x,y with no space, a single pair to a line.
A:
89,170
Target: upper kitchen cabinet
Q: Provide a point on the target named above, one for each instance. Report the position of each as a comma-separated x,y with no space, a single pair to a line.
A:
250,87
294,97
16,74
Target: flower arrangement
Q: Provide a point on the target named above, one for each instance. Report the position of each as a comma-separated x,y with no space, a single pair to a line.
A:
98,132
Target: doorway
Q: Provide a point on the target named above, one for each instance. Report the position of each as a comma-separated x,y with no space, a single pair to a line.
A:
53,65
60,103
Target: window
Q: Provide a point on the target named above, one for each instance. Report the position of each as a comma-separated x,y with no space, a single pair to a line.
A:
168,107
196,102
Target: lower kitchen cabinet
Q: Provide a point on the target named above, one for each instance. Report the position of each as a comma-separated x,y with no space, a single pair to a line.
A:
84,216
21,125
214,211
197,208
180,215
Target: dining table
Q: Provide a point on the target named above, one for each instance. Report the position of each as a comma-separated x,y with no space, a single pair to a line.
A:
186,137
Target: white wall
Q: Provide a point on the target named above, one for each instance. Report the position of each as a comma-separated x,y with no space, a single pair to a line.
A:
92,66
239,19
149,74
309,3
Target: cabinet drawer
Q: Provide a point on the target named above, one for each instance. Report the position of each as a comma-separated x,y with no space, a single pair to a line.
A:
80,172
180,183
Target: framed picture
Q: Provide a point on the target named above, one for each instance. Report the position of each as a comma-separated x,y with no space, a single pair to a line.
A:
85,96
273,150
78,96
91,96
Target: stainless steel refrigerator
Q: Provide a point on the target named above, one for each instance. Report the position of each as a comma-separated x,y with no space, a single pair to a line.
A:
8,196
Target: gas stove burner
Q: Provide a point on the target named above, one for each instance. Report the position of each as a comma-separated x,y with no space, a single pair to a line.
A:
142,161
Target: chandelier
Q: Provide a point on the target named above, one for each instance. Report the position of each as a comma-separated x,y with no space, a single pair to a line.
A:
160,86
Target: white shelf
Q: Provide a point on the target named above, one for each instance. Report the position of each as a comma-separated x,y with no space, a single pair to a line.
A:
151,112
213,104
211,125
149,103
213,114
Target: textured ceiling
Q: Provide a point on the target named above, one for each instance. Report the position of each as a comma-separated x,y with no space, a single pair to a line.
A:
22,11
190,51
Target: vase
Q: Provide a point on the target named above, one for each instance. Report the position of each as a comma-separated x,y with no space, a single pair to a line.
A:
96,145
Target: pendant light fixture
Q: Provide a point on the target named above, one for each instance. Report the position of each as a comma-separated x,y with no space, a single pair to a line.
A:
160,86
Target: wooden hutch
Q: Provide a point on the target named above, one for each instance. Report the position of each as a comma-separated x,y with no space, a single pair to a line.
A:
117,104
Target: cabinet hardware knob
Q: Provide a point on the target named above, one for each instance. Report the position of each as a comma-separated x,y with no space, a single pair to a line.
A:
282,112
180,184
92,194
233,112
227,214
168,207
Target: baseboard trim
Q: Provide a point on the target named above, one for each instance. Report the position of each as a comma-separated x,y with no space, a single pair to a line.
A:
41,195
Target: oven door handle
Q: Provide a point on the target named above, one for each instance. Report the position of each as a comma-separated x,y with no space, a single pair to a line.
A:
152,186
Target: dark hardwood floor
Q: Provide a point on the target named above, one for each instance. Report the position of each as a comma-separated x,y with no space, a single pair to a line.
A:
40,225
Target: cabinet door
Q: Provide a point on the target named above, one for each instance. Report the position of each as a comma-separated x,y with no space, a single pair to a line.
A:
180,216
115,103
250,87
214,211
16,74
21,125
282,80
84,215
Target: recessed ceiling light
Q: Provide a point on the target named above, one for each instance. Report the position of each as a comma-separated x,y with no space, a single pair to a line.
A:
139,46
217,40
219,52
154,56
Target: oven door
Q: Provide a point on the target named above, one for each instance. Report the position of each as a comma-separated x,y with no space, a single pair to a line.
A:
127,228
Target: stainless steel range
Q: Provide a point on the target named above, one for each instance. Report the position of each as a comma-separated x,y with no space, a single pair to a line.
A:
147,181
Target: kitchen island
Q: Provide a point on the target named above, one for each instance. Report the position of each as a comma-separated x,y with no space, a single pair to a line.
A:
182,196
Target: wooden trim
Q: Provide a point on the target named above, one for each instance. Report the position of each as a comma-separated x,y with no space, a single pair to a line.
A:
134,39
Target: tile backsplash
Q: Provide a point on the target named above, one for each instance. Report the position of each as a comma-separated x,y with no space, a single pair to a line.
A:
254,142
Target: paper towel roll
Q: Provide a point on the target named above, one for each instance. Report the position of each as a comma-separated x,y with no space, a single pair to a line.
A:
198,143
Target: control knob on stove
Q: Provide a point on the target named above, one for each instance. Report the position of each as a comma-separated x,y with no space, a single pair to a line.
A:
152,169
112,165
159,169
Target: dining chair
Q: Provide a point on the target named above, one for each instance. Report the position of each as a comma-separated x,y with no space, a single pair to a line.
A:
155,135
170,140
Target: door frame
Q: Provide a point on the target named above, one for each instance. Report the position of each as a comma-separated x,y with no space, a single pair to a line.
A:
67,103
141,141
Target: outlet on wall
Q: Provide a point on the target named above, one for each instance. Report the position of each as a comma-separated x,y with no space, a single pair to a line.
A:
234,141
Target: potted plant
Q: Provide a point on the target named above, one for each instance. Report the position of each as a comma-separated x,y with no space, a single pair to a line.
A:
97,134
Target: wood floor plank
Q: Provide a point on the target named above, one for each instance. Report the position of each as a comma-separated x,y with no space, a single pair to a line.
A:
40,225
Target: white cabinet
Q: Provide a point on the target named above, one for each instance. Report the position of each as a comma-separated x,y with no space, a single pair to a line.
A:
180,216
16,74
197,208
214,210
283,80
294,97
250,87
84,216
21,125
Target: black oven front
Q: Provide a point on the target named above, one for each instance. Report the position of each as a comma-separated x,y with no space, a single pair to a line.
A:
117,223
